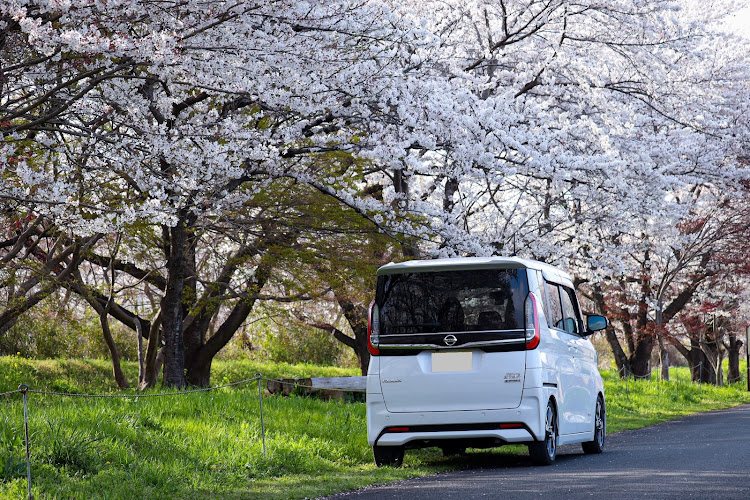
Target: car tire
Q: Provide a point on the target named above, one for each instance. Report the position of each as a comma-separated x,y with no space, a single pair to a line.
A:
600,430
544,452
388,455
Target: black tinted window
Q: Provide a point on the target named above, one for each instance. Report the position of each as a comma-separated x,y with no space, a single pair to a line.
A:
570,310
452,301
555,306
562,307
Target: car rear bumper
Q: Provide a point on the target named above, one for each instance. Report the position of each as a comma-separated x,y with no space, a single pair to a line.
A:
386,428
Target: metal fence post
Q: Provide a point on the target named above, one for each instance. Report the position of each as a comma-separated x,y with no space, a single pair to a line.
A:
259,377
23,389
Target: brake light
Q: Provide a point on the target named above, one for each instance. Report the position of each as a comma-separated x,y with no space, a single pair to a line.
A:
373,329
511,426
532,322
398,429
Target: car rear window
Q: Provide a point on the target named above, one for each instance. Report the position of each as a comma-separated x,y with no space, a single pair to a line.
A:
452,301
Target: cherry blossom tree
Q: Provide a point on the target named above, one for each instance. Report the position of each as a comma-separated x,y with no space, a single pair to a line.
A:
564,131
618,112
713,322
181,115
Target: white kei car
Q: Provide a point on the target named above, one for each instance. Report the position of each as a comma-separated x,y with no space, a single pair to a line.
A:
481,352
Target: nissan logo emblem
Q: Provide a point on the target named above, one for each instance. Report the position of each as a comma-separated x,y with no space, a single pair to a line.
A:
450,340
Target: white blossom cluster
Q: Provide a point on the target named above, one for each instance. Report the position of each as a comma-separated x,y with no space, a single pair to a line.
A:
565,131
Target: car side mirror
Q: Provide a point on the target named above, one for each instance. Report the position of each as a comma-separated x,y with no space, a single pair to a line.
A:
594,323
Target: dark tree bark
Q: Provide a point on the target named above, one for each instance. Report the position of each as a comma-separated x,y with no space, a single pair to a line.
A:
621,359
199,357
114,353
356,314
701,366
198,366
733,355
171,307
151,368
641,357
141,358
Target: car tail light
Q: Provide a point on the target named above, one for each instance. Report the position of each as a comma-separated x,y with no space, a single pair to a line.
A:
532,322
373,329
398,429
511,426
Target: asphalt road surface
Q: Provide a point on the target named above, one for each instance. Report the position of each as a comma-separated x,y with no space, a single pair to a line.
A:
704,456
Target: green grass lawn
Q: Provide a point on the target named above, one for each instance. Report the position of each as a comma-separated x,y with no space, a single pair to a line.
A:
208,445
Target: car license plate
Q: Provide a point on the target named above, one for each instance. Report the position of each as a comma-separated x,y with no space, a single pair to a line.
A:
451,361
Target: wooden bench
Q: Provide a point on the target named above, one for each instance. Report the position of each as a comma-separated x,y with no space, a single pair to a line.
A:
325,387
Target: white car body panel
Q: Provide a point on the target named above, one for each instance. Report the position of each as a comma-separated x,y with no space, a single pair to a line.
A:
404,393
410,383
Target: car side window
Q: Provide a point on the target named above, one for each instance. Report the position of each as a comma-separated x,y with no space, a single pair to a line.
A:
571,318
555,316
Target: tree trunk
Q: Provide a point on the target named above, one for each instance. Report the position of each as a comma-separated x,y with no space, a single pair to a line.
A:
357,316
663,352
641,357
103,310
401,187
198,363
114,354
362,351
719,331
151,369
359,327
733,354
171,308
141,360
621,359
664,357
199,372
194,330
198,366
451,186
711,349
701,367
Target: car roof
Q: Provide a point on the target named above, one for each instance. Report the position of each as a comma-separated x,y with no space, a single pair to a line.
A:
471,263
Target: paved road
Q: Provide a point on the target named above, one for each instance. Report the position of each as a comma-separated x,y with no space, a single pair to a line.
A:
704,456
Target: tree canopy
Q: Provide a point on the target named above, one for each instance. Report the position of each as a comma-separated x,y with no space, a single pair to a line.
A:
216,139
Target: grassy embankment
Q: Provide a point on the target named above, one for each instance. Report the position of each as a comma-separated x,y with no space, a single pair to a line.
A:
208,445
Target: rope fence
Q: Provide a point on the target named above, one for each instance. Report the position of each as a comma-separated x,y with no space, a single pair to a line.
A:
626,374
287,385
